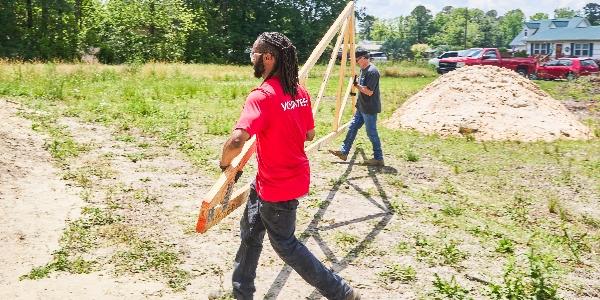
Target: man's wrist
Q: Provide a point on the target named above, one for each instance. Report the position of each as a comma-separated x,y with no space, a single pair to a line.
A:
223,166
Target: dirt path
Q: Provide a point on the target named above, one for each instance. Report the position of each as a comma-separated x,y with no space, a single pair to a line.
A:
35,205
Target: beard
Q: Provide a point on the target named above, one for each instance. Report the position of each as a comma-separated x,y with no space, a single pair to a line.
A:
259,67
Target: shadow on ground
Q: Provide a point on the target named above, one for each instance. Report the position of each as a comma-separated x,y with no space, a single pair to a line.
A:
313,230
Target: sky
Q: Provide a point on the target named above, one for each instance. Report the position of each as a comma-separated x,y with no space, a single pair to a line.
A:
387,9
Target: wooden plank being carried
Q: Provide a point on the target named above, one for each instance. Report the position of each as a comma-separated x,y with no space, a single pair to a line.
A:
353,61
330,66
338,101
326,139
314,56
345,100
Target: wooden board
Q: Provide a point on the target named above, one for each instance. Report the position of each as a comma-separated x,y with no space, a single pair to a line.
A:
330,66
220,200
348,12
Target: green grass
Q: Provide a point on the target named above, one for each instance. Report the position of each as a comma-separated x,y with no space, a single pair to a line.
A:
581,89
146,255
535,281
448,289
399,273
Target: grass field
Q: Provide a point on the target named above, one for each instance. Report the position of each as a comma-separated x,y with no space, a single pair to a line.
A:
530,209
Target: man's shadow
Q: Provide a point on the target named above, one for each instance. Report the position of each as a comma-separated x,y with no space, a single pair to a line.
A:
313,230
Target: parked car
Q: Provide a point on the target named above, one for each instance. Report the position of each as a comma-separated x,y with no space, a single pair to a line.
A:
378,56
489,56
567,68
436,60
375,56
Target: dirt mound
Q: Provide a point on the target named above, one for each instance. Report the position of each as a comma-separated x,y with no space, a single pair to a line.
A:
490,103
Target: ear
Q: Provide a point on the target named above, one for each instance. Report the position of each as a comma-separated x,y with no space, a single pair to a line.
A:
268,56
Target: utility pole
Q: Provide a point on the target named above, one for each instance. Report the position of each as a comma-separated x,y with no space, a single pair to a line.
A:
466,24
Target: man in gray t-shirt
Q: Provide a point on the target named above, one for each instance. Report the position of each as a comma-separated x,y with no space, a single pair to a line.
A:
368,106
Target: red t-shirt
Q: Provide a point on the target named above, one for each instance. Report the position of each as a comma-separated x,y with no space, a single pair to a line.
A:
280,123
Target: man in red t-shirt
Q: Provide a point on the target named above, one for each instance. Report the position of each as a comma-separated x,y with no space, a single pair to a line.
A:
279,114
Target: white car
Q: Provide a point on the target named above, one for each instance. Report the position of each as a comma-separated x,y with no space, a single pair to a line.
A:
436,60
378,56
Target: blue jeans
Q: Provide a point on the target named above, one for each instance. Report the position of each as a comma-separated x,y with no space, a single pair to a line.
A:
278,220
370,122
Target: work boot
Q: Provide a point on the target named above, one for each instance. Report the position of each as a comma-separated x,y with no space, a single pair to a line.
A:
339,154
353,295
374,162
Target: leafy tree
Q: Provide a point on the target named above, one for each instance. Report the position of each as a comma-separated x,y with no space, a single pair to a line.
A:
11,12
438,24
382,30
488,34
592,13
539,16
229,34
418,50
564,12
492,14
420,20
510,25
397,48
456,26
365,22
144,30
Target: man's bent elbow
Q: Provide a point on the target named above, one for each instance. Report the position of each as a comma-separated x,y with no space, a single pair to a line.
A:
238,138
310,135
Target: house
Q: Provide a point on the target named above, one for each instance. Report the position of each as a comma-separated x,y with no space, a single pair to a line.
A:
370,46
558,38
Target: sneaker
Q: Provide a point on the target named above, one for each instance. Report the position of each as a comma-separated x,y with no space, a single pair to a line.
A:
353,295
374,162
339,154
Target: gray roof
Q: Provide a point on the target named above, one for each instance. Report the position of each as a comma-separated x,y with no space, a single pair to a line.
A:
557,30
532,25
519,40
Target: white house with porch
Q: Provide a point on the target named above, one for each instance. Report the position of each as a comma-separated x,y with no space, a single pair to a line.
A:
559,38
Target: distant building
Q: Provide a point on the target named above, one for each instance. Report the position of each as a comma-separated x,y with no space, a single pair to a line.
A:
370,46
558,38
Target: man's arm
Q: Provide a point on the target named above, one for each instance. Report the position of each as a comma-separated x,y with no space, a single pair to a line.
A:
364,89
233,146
371,83
310,135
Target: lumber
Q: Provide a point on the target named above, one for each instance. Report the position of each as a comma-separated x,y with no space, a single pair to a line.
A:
322,45
352,27
218,198
338,98
326,139
330,66
344,101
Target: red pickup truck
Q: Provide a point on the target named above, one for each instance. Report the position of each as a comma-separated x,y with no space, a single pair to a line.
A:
489,56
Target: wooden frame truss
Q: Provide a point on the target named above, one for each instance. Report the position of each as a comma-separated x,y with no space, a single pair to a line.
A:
221,200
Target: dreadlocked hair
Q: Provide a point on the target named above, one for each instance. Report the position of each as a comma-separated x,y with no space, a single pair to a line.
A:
286,59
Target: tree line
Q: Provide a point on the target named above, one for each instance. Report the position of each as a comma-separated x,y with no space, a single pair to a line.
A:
455,28
221,31
119,31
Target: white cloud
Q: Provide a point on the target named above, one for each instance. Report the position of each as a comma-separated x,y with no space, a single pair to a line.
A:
393,8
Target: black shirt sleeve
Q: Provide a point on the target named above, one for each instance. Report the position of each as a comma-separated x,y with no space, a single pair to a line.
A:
372,79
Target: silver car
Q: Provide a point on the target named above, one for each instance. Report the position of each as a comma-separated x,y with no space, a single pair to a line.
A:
378,56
